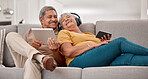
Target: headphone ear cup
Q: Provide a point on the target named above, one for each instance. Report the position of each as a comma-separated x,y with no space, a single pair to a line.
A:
77,18
60,27
78,21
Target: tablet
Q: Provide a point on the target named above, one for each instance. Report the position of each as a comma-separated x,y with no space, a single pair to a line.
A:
43,34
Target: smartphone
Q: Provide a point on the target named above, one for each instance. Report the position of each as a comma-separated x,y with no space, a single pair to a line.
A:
102,33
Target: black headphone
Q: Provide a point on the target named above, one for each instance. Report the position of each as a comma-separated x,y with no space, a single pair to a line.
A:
77,18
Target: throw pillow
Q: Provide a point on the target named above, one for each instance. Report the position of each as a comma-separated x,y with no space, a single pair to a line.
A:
2,38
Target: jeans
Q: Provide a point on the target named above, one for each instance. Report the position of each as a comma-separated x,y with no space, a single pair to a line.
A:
118,52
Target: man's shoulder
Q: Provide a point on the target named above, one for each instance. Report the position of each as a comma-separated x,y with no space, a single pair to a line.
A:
29,35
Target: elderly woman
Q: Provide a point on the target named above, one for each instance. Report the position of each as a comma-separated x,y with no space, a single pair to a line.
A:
85,50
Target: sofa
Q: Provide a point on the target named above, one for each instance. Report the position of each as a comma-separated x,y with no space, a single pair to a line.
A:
134,30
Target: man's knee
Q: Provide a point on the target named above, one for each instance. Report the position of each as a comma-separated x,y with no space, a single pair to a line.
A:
10,36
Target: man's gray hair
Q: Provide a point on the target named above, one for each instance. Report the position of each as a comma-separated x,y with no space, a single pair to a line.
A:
62,15
45,8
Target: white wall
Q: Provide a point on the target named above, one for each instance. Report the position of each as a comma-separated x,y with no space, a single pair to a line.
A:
27,10
144,8
56,4
108,10
6,4
99,10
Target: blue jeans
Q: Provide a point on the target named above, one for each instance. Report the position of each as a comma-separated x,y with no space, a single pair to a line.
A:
118,52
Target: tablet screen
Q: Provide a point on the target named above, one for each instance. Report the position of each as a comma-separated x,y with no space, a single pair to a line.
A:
43,34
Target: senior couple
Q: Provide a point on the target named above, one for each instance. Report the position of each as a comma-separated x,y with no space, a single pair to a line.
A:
75,48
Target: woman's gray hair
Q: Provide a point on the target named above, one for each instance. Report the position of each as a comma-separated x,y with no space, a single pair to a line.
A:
62,15
45,8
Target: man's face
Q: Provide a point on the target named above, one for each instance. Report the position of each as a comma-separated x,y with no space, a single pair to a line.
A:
50,19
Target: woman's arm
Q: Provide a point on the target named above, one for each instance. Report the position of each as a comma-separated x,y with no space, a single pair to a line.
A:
72,51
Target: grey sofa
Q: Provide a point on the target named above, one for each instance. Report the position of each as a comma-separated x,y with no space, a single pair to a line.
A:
134,30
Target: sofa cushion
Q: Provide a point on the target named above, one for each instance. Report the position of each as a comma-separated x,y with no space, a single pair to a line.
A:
23,28
134,30
62,73
58,73
88,27
2,39
7,58
11,73
115,72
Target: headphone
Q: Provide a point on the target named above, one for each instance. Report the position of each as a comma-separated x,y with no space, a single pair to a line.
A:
77,19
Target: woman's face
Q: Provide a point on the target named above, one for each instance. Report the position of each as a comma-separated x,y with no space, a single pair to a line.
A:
68,22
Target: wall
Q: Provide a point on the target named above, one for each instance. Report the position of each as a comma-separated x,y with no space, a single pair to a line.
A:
6,4
144,4
100,10
107,10
56,4
27,10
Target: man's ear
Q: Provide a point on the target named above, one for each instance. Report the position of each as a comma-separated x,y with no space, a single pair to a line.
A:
41,20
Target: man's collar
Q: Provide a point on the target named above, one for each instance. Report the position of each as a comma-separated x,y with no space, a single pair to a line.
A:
56,31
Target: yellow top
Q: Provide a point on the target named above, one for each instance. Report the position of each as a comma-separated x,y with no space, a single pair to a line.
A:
76,39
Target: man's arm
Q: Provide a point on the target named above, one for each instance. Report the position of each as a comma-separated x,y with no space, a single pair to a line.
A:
54,47
60,59
30,39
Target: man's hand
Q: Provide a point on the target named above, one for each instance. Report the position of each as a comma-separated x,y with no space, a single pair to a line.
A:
53,45
106,38
36,44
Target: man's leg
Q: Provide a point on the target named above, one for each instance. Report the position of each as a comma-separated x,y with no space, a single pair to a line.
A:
22,51
19,49
32,70
16,43
22,54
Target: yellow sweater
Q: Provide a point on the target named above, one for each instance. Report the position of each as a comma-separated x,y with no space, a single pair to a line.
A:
76,39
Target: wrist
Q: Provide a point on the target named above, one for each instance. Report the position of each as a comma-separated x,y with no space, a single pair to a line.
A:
56,50
90,46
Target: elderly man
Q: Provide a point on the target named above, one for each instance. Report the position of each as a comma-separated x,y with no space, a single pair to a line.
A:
31,54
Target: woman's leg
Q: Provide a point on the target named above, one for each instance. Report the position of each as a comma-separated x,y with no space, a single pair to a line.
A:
130,60
105,54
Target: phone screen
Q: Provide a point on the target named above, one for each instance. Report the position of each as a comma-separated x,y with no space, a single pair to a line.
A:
101,34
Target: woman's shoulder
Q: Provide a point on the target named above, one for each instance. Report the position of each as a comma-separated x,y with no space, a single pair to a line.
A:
64,31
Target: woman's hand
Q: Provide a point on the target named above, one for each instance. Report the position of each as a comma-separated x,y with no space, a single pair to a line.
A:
53,45
106,38
36,44
101,43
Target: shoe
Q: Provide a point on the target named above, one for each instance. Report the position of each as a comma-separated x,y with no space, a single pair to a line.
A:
48,63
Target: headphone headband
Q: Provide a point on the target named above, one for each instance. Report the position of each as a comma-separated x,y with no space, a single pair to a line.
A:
75,14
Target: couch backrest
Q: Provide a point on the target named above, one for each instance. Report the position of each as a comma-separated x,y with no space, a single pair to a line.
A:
88,27
22,29
134,30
